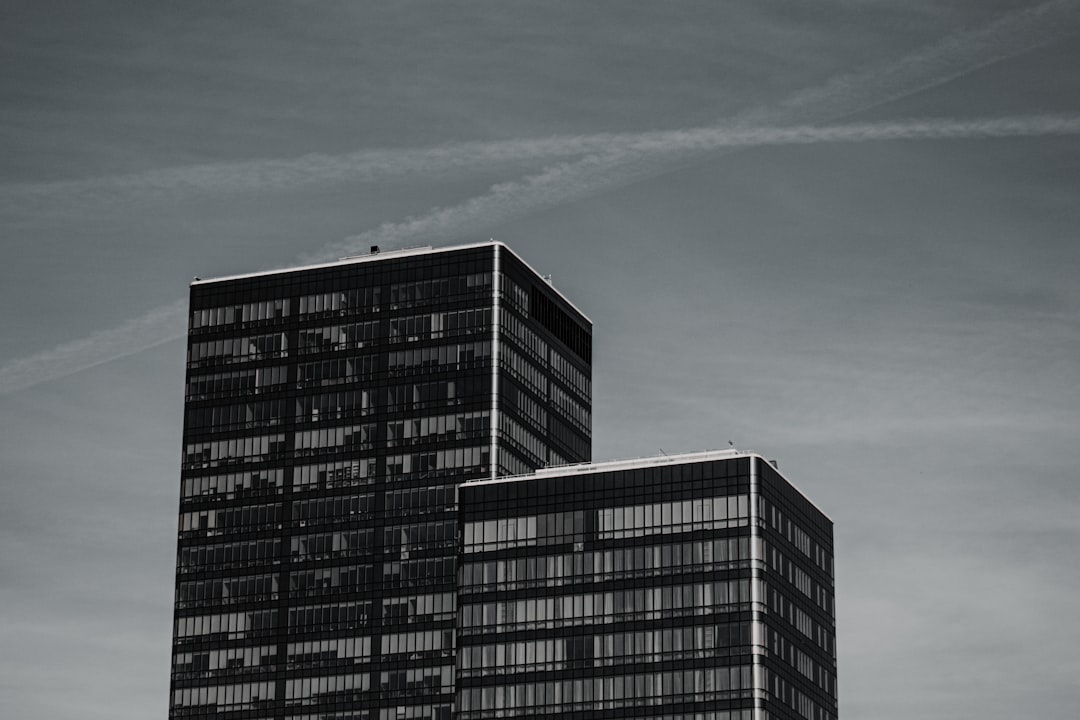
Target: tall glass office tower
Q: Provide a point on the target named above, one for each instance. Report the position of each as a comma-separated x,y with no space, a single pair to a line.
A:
692,587
332,412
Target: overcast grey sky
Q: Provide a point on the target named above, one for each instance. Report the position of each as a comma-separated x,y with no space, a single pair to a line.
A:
896,320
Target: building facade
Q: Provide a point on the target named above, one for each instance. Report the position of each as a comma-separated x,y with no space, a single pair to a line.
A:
694,587
331,413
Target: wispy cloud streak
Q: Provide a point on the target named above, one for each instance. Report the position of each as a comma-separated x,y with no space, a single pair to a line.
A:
551,187
288,174
625,159
957,55
632,159
952,57
158,326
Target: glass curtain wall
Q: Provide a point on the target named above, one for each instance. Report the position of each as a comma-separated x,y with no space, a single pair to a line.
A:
330,415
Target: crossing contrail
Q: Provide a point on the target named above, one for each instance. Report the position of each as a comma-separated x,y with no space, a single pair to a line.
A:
624,162
619,159
551,187
957,55
637,159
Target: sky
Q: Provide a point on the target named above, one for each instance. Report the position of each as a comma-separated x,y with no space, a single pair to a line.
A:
841,234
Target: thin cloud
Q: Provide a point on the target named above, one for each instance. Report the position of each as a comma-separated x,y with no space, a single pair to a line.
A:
626,159
1010,35
635,159
554,186
276,175
953,57
158,326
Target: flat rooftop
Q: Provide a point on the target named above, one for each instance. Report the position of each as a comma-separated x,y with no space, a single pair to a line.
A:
636,463
393,255
616,465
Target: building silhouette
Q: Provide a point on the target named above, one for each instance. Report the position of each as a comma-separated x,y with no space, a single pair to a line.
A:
331,412
387,512
688,587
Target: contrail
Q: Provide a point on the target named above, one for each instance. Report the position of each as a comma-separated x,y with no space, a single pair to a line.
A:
626,159
275,175
956,56
551,187
634,159
142,333
622,163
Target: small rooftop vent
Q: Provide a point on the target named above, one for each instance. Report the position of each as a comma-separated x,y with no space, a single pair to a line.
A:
374,249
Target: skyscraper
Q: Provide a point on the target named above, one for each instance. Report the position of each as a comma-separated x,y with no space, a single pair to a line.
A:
691,587
388,512
331,413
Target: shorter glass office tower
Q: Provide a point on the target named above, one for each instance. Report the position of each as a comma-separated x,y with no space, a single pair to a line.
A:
690,587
